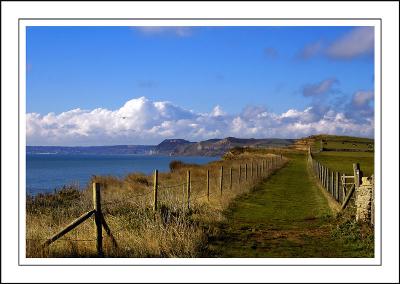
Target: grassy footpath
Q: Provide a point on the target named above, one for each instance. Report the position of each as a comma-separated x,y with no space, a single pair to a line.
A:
286,216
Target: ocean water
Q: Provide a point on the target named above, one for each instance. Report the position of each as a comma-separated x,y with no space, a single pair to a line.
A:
46,172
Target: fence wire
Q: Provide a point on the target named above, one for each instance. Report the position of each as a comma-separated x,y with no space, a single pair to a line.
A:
177,194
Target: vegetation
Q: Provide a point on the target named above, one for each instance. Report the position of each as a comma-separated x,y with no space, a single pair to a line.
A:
340,152
285,215
288,216
343,161
174,231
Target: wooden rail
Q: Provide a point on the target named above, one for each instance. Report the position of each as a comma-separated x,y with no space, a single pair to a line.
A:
257,171
340,186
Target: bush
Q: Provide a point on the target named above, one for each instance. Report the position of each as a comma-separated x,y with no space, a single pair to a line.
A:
176,165
137,178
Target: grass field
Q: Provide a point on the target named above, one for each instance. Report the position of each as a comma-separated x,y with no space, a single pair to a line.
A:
173,231
288,216
284,215
342,161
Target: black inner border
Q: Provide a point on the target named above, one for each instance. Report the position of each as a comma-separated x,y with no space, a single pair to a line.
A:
223,19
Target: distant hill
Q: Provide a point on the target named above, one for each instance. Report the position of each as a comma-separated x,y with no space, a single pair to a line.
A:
171,147
218,147
95,150
334,142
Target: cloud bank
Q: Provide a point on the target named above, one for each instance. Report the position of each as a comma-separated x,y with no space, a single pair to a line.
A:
142,121
356,43
320,88
158,30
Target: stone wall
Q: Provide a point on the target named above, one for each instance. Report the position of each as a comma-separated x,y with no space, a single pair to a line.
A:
364,201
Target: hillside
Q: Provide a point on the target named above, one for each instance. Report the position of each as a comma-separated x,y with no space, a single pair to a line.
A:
217,147
169,147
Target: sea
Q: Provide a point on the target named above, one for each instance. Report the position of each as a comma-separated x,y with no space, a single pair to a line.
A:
49,172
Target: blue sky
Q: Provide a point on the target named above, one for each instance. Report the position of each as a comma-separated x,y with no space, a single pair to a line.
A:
226,73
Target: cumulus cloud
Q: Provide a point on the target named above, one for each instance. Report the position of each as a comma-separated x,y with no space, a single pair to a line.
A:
310,50
141,121
157,30
359,41
361,107
319,88
362,99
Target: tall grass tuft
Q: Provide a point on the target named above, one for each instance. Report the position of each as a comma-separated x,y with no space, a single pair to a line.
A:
176,229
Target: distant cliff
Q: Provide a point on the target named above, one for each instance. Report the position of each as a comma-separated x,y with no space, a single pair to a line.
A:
171,147
215,147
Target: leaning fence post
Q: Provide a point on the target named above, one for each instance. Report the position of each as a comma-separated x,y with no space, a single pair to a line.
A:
97,218
221,179
188,189
155,189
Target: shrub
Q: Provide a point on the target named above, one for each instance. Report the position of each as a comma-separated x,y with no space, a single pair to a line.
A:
176,165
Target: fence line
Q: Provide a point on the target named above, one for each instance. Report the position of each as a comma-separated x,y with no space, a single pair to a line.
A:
225,182
339,185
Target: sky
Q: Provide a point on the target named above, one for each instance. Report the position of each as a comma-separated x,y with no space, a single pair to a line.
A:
141,85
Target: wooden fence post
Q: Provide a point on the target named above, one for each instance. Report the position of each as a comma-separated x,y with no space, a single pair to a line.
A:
319,171
337,186
332,184
322,174
256,170
208,185
221,179
327,179
356,170
343,188
262,168
246,173
97,218
251,170
230,178
188,189
155,190
240,173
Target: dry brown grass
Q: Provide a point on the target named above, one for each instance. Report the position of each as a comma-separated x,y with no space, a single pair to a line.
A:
173,231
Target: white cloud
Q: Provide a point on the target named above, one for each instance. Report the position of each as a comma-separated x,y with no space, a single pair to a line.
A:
157,30
310,50
357,42
362,98
141,121
319,88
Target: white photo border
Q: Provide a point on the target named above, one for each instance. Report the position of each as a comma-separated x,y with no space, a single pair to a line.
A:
23,261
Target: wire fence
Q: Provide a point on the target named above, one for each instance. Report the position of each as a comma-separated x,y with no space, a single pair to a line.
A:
206,186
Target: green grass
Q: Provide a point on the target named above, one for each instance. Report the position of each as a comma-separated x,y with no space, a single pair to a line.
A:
332,142
343,161
286,216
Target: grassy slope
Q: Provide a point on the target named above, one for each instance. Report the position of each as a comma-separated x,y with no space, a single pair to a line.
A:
286,216
343,161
